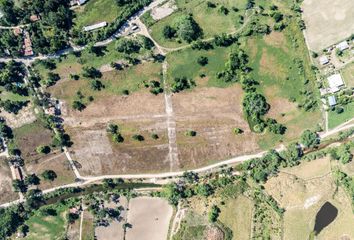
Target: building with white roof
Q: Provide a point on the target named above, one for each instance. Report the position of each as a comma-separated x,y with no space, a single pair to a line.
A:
332,101
335,82
342,46
95,26
324,60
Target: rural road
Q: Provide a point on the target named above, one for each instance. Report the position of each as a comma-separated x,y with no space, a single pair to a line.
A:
159,176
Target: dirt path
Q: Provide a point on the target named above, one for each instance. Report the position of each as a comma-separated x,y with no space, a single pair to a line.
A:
171,123
177,221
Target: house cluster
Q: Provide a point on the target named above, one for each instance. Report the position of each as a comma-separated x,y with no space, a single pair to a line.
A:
330,65
54,108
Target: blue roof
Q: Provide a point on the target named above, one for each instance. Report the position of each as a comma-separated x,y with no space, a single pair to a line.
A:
332,100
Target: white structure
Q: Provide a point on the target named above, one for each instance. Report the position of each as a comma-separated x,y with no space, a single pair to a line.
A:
335,82
95,26
324,60
332,101
77,2
343,45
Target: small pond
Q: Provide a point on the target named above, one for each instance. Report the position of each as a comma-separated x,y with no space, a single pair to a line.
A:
325,216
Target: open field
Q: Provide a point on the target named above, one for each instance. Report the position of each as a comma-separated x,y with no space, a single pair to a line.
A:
96,11
56,162
29,137
275,66
149,217
327,22
48,227
212,113
131,79
193,226
348,75
7,194
302,190
335,119
237,215
115,230
211,20
97,154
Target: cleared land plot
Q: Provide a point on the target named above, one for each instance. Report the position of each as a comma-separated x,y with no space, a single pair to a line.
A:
23,117
211,20
149,217
212,113
7,194
47,227
96,11
29,137
237,215
115,230
274,61
327,21
97,154
335,119
348,75
56,162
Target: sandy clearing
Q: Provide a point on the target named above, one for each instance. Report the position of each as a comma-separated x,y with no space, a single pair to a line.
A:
149,217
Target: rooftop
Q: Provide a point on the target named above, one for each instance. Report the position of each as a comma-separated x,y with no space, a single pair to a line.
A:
332,101
335,81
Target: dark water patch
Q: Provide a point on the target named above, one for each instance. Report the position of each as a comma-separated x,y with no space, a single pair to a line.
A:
325,216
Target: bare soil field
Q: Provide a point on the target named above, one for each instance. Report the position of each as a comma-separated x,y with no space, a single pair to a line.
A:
327,22
97,154
114,231
149,217
212,113
7,194
58,163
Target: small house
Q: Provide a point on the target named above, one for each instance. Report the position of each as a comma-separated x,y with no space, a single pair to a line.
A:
324,60
342,45
17,31
332,101
35,18
335,82
95,26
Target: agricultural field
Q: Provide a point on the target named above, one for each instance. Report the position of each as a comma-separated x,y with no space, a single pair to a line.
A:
212,20
327,22
6,182
149,218
88,228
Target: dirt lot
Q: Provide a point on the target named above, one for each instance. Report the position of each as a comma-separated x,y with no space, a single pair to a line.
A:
149,217
115,229
97,154
212,113
327,22
58,163
7,193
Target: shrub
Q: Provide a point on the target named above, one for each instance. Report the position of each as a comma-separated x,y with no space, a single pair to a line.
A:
202,60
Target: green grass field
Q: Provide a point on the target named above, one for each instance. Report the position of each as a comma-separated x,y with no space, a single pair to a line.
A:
335,119
95,11
131,79
274,61
211,20
237,215
184,64
348,75
4,95
48,227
